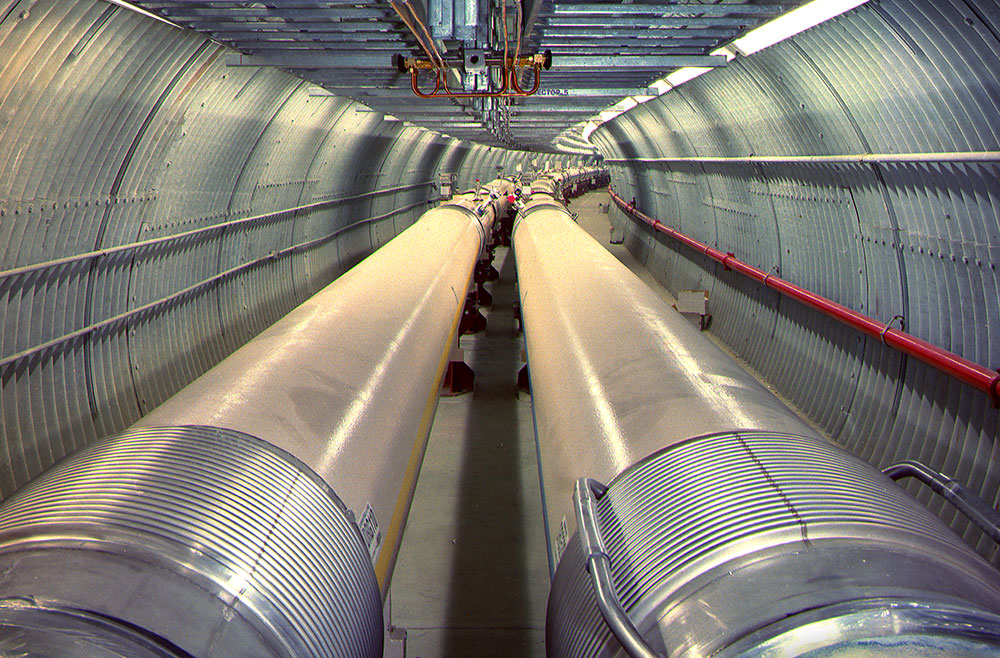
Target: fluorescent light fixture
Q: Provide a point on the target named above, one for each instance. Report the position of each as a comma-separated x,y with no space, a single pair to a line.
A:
784,26
788,25
686,74
574,141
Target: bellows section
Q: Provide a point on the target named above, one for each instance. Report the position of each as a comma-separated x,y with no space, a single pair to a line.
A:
186,541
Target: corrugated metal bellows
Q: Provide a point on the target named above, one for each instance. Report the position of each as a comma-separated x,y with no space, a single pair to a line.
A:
184,541
764,544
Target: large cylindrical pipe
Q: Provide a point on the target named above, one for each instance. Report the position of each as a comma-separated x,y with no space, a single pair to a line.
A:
615,373
349,381
763,544
758,539
259,511
569,182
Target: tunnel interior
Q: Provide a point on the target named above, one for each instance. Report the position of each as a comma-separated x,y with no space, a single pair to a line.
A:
160,206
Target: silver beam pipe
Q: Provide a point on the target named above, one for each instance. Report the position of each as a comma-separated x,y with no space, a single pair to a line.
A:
555,183
348,382
751,543
757,539
259,511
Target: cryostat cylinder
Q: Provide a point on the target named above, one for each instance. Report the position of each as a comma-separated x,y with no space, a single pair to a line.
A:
765,544
185,541
212,528
616,374
348,381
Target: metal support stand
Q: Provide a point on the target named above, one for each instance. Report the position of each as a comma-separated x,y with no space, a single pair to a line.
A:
518,319
694,303
458,378
523,380
483,296
485,270
472,321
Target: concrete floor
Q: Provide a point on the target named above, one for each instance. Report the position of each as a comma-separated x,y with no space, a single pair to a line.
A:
472,578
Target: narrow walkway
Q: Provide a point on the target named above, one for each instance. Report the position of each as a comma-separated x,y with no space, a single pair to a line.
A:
472,578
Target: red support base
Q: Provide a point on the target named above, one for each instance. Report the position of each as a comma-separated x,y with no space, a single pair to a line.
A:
472,321
458,379
483,296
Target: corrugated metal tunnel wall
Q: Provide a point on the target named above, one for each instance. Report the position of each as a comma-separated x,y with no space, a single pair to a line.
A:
158,208
920,240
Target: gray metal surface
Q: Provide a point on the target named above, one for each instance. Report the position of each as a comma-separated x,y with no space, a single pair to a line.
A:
347,48
616,374
188,541
726,539
116,130
886,236
183,532
348,381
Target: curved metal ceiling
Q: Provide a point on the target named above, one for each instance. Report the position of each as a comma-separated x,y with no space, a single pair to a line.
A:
601,52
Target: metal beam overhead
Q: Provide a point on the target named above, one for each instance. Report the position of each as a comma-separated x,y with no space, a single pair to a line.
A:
645,22
663,9
602,52
658,62
550,93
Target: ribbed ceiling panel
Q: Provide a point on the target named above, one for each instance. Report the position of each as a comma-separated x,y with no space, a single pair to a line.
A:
601,53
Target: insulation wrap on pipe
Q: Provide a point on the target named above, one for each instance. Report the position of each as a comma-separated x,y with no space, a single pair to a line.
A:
615,373
259,511
754,538
762,544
